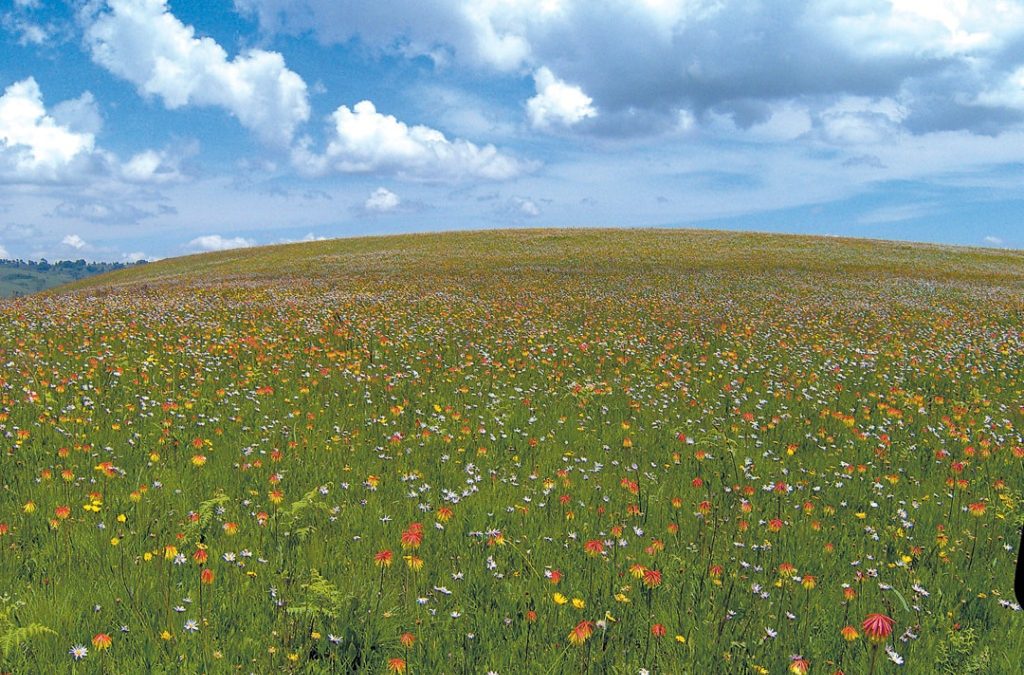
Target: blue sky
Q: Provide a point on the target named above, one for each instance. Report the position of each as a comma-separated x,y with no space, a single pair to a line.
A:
154,128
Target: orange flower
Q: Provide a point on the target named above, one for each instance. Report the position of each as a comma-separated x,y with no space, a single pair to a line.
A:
658,630
412,538
774,525
206,576
849,633
809,582
798,665
652,578
198,460
581,633
62,512
444,514
101,641
200,556
407,639
878,627
977,509
230,528
396,665
594,547
383,558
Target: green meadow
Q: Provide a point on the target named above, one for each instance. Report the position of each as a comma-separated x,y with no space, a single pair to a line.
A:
586,451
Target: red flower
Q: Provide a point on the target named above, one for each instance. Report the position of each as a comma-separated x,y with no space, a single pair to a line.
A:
594,547
878,627
652,578
658,630
383,558
581,633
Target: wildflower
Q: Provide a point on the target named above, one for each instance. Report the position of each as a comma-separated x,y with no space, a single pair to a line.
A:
559,599
798,665
101,641
206,576
652,578
383,558
581,633
658,630
878,627
977,509
396,665
191,626
78,652
849,633
407,639
593,548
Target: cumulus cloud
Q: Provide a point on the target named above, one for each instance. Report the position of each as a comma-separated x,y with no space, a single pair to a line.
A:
32,142
59,145
144,43
382,200
557,103
74,241
642,63
362,140
216,242
4,255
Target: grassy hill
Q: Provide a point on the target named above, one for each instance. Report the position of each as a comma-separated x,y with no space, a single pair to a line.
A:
519,451
603,251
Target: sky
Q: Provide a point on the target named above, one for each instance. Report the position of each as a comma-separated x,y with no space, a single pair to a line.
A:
137,129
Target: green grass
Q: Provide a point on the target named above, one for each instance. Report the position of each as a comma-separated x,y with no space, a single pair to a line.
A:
670,431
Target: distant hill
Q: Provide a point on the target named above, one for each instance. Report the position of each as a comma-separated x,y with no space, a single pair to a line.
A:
23,277
557,253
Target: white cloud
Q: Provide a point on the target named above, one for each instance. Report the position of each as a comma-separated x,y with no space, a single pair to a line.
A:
995,241
144,43
59,145
215,242
74,241
133,257
80,114
528,208
557,103
363,140
382,200
4,255
32,142
641,62
856,120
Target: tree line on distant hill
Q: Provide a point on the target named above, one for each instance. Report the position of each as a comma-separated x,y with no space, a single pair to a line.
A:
21,277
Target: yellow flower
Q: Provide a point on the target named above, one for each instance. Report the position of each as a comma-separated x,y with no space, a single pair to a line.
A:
578,603
166,635
114,541
559,599
621,597
681,639
122,518
30,507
